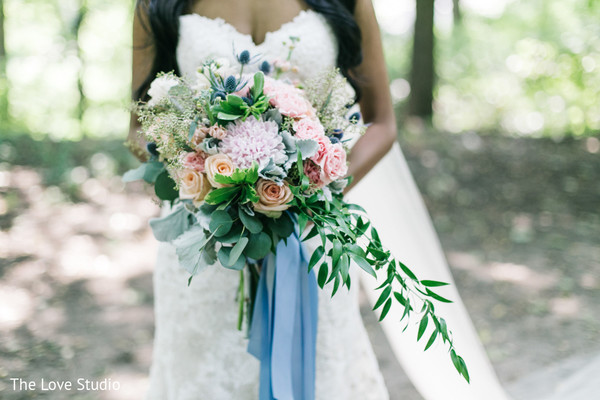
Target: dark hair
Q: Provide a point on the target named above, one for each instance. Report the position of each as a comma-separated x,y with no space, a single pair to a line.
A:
163,19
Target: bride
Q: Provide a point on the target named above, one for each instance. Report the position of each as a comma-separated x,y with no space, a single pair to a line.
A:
198,353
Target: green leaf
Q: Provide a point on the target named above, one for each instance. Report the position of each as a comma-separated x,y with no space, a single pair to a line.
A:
315,257
224,179
227,117
434,283
220,223
302,222
221,195
336,251
363,264
192,129
259,82
344,265
251,222
464,371
259,246
135,174
431,339
237,250
375,236
355,207
385,294
312,233
234,234
224,256
172,225
235,101
148,171
407,271
322,276
437,297
386,309
252,174
422,326
283,226
188,247
164,187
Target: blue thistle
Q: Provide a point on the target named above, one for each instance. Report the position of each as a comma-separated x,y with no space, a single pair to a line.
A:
265,67
244,57
333,139
338,133
151,147
354,118
218,94
230,84
248,101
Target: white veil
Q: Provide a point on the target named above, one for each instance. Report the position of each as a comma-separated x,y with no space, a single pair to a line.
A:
393,202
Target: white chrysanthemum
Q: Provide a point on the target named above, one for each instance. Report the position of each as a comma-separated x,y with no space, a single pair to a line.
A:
253,140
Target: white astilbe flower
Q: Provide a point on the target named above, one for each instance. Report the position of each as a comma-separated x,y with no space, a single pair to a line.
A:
253,140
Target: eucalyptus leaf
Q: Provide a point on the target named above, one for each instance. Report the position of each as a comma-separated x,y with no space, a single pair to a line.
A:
220,223
188,247
259,246
224,257
172,225
252,223
237,250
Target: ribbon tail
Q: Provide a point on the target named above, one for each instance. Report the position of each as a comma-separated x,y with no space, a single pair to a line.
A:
284,325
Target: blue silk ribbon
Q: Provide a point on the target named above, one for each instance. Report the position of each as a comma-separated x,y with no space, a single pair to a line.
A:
283,334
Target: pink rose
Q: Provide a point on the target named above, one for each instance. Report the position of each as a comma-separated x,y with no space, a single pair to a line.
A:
314,173
195,160
334,163
288,99
273,199
308,128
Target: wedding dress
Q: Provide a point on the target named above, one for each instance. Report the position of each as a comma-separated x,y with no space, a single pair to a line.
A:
198,352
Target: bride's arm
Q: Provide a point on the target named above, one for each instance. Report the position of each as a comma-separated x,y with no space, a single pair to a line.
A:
143,57
376,103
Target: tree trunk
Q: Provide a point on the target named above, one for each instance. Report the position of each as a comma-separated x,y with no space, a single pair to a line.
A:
456,11
3,79
423,71
82,105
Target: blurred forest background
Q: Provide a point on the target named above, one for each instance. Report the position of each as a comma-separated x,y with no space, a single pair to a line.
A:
499,118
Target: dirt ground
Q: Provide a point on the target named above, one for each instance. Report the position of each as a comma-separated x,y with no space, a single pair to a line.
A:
519,221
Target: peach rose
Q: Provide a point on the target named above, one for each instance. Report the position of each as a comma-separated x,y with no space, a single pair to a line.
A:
195,160
274,199
218,132
193,185
334,162
218,164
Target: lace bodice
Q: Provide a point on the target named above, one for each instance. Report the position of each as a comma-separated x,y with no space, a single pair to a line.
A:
203,38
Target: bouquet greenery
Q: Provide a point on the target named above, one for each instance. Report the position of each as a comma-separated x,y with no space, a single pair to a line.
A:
246,160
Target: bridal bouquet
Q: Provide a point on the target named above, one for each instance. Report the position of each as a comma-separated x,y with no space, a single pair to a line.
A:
249,162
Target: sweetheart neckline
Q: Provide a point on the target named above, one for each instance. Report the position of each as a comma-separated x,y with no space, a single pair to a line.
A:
222,22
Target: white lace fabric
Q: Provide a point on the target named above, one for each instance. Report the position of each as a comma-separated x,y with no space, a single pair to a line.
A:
198,352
